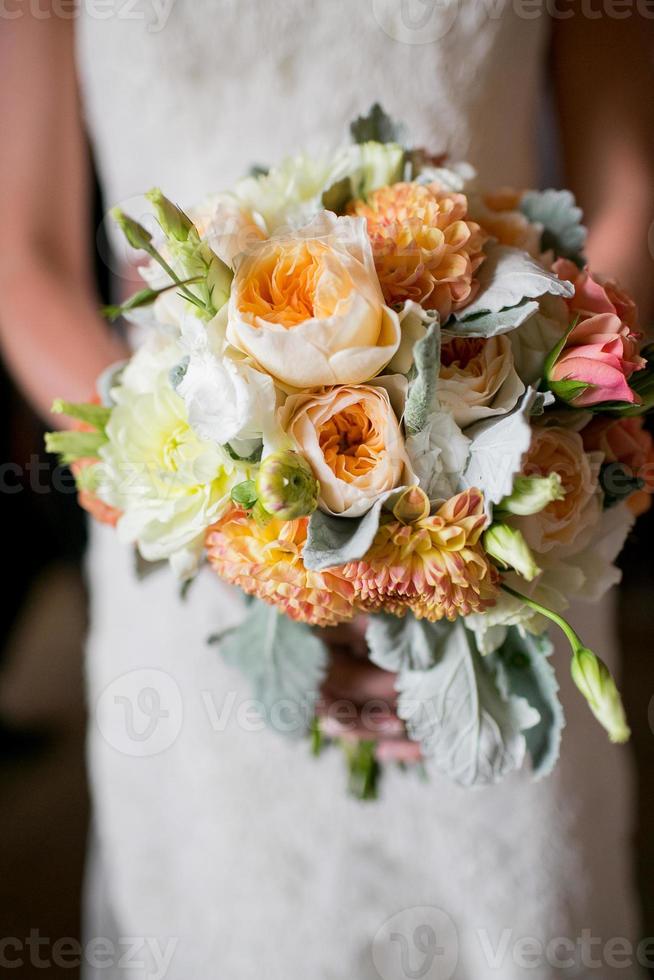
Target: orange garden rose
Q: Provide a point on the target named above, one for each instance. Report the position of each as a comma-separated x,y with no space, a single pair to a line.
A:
266,561
565,525
308,308
351,438
432,565
426,249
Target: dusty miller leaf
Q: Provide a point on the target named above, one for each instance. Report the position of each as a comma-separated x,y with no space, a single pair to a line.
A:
421,397
377,127
492,324
560,217
524,669
507,277
333,541
283,660
408,643
456,711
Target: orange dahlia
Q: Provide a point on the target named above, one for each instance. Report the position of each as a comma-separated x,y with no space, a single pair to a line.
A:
266,561
424,247
500,217
433,565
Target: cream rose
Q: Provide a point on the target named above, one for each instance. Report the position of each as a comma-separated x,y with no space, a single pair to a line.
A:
351,438
308,308
477,378
564,526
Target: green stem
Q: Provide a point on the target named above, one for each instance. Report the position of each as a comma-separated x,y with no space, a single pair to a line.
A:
158,257
575,641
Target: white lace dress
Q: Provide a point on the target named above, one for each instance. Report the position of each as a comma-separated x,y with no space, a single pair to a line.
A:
227,850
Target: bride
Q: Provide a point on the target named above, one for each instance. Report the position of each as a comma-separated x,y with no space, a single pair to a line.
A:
222,850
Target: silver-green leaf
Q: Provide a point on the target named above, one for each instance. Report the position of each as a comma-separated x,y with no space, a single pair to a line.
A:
524,669
333,541
466,727
284,661
421,396
507,277
405,644
492,324
560,217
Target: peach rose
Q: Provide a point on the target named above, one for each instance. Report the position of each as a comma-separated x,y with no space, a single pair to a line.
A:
565,525
477,378
625,441
594,294
308,308
351,438
601,351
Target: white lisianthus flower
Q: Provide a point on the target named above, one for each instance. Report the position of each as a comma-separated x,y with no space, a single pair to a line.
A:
308,308
169,484
351,438
228,400
477,378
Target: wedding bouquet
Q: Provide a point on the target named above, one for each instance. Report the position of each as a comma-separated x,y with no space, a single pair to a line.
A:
370,385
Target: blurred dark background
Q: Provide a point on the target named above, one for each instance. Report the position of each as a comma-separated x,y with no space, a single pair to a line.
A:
45,809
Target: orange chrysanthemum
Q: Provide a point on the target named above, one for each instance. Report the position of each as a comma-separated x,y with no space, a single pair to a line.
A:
266,561
433,565
424,247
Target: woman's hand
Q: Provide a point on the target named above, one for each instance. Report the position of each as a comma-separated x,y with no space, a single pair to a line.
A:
359,699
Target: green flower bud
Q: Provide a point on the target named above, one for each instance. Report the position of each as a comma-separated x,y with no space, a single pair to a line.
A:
593,678
174,222
136,235
286,487
508,547
531,494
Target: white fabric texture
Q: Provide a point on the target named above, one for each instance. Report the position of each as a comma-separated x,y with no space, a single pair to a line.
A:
234,845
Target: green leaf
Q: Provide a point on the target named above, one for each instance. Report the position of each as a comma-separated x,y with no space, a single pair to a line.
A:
491,324
333,541
245,494
144,297
74,445
254,457
524,670
421,396
377,127
497,448
560,217
283,660
509,276
95,415
405,644
472,733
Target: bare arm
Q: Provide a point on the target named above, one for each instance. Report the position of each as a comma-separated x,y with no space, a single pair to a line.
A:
604,76
52,337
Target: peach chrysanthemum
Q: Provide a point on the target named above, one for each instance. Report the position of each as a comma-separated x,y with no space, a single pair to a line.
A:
433,565
424,247
266,561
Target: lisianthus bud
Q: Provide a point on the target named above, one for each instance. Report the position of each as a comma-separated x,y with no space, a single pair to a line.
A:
531,494
174,222
136,235
508,547
594,680
286,487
